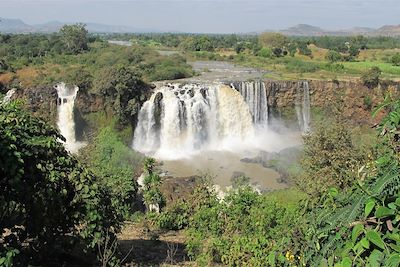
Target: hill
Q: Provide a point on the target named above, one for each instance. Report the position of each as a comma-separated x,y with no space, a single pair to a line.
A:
18,26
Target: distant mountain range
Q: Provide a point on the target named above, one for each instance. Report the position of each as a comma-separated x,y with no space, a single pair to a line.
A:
309,30
19,26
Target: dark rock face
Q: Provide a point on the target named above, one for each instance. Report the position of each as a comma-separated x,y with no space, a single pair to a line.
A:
178,188
41,101
158,110
349,95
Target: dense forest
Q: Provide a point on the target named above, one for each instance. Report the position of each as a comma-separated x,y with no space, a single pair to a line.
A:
57,209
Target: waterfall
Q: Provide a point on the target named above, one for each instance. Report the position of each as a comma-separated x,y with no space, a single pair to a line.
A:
8,96
65,110
302,106
254,93
181,119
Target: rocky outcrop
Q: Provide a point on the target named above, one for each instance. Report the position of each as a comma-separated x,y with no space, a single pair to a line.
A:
41,101
353,100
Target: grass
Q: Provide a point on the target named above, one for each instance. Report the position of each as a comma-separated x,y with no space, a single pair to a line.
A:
290,197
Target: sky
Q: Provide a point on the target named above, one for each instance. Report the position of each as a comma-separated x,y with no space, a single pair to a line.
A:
212,16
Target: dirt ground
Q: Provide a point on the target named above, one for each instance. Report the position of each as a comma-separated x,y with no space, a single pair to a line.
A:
143,247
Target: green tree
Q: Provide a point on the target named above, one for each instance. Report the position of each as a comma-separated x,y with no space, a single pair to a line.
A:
48,201
74,38
79,77
330,158
272,39
124,90
303,49
354,51
333,56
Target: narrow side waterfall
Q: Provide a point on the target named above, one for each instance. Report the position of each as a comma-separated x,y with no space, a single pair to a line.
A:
303,106
254,93
65,110
179,120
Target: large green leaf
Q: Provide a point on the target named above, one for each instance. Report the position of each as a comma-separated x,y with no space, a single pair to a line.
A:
357,230
368,207
383,212
375,238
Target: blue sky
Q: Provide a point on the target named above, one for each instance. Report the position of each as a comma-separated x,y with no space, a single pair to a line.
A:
219,16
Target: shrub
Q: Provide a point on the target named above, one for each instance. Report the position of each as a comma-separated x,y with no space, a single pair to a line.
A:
116,164
333,56
246,229
371,77
265,52
330,159
175,217
395,60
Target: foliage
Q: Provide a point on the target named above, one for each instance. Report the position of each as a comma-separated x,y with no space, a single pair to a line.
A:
4,66
123,87
333,56
49,202
116,164
171,68
246,229
197,43
297,65
79,77
174,217
371,77
152,195
395,60
265,52
74,38
303,49
330,159
360,226
271,39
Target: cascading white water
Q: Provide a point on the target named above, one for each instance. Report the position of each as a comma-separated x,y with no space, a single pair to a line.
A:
254,93
180,120
65,110
303,106
8,96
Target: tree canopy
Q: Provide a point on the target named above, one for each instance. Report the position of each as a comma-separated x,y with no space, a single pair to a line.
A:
75,38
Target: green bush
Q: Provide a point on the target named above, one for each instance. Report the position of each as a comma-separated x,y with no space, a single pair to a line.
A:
265,52
333,56
395,60
175,217
330,159
49,202
245,229
116,164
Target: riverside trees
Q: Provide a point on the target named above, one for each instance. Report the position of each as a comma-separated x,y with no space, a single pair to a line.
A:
74,38
49,202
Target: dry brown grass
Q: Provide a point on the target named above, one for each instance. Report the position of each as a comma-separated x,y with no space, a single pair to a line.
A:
6,78
27,76
317,52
